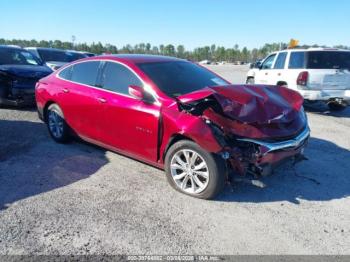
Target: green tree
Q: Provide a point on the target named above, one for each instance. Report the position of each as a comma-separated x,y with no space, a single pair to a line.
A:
169,50
180,51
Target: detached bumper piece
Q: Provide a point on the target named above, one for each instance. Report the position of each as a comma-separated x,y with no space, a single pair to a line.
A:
263,157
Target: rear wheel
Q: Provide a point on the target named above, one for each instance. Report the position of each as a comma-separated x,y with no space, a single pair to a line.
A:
281,83
194,171
56,124
250,81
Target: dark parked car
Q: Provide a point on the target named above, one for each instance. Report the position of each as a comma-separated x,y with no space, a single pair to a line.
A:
19,72
55,58
176,115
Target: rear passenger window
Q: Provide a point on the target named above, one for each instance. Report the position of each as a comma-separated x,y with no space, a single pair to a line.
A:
118,78
281,59
85,73
66,73
297,60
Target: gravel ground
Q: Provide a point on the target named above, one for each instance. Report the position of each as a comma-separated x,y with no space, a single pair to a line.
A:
80,199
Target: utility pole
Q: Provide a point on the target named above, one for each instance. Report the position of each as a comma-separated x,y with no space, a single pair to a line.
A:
73,40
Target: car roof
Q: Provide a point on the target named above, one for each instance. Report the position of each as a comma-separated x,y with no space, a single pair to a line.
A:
313,49
10,46
139,58
47,48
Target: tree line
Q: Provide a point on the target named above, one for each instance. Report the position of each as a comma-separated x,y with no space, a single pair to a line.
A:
212,52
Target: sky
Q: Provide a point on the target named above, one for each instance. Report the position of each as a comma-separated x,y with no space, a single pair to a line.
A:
193,23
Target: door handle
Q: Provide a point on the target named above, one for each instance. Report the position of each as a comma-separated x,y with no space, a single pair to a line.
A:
65,90
102,100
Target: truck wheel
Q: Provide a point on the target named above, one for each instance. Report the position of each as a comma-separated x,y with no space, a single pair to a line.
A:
336,106
250,81
57,126
194,171
281,83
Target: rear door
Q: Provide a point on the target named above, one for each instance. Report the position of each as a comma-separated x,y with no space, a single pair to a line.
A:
77,99
265,74
329,70
127,124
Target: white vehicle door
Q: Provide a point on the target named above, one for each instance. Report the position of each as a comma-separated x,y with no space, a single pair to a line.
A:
263,76
278,75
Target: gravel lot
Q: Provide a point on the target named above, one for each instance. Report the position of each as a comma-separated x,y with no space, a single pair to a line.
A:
80,199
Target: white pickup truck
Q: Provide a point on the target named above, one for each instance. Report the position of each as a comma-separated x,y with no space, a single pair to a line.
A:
318,74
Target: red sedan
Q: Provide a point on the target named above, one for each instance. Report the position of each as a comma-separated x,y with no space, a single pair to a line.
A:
176,115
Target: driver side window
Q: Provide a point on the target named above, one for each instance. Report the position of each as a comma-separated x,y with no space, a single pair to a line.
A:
268,62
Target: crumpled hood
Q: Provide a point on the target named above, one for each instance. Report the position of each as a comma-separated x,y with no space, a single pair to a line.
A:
28,71
252,104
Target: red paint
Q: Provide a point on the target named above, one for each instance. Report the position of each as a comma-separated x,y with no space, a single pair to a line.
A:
144,130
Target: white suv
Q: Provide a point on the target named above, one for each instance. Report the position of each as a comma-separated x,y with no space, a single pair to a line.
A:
318,74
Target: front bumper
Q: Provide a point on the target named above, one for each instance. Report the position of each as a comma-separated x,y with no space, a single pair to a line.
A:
269,155
18,97
326,94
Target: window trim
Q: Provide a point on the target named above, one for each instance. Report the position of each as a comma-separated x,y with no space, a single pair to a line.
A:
290,56
273,62
285,60
57,75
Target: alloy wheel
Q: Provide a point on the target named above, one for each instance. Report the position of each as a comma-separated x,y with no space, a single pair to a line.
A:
189,171
55,124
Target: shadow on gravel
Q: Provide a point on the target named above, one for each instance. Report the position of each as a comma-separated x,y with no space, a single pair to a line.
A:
322,109
324,177
31,163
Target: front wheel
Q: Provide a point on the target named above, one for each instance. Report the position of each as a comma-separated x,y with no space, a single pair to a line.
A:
57,126
194,171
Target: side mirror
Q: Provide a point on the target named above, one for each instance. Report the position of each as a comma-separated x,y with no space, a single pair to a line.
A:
136,92
258,65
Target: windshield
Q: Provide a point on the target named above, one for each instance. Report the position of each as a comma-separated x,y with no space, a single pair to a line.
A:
59,56
177,78
12,56
329,60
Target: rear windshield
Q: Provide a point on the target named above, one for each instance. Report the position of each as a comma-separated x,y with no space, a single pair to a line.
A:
59,56
12,56
328,60
177,78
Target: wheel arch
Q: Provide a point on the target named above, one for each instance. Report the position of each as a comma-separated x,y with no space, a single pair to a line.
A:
174,139
282,83
48,103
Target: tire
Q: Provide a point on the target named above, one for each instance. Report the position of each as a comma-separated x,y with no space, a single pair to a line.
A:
201,175
336,107
283,84
250,81
57,126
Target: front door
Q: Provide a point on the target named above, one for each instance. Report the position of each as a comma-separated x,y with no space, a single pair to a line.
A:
265,74
127,124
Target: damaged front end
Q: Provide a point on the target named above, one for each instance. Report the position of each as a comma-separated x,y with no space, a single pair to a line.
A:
258,127
13,91
17,84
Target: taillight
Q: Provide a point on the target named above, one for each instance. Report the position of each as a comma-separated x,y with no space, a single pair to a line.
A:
302,78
